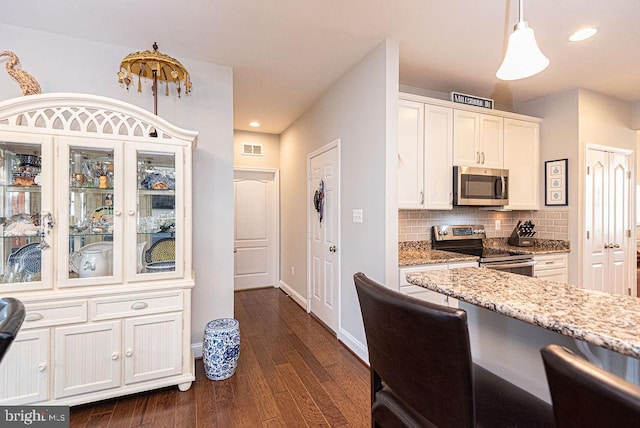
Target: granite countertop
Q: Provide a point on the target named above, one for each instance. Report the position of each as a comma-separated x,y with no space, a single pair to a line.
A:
414,253
603,319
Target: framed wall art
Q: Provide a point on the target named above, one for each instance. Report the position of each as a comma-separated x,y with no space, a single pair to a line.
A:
555,182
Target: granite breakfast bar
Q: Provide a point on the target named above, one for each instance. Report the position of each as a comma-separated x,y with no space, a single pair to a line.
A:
546,312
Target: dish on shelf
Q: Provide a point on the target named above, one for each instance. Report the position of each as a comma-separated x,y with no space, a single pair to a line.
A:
75,258
28,258
29,160
22,225
165,266
157,181
161,251
102,219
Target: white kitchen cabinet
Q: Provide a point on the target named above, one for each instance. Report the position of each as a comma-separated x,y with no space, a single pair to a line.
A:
522,159
477,139
425,157
552,267
410,154
25,369
97,245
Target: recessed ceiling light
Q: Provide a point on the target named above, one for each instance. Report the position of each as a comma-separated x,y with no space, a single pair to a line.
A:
254,124
583,34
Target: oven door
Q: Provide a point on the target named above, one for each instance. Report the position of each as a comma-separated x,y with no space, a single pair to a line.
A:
519,267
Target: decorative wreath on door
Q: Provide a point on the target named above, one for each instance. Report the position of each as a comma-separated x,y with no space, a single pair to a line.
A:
318,200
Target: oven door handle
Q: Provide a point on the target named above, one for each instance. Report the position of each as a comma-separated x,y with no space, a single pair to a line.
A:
510,265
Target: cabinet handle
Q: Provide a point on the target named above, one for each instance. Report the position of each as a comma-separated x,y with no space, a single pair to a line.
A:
482,158
139,305
42,367
550,262
117,213
129,352
421,198
33,316
115,356
477,157
131,212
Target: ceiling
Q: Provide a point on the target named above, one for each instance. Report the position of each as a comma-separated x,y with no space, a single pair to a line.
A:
286,53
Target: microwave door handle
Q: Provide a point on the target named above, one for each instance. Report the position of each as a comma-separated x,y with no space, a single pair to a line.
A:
504,184
495,188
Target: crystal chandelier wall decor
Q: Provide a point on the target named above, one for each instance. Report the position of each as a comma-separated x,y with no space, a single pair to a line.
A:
153,64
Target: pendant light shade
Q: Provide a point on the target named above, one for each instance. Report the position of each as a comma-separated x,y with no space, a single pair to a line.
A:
523,57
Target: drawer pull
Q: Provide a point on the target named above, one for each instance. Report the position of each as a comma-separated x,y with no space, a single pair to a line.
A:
550,262
139,305
42,367
129,352
33,316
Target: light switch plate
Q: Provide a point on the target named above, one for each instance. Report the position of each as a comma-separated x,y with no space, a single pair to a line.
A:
357,216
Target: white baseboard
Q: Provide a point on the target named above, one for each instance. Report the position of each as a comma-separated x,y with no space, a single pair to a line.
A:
354,345
196,348
297,297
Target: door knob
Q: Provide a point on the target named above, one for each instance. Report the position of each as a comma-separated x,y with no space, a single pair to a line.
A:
332,248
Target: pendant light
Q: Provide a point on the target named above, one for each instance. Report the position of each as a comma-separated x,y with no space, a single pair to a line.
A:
523,57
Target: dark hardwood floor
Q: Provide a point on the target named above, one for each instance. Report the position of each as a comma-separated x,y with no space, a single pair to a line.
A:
292,372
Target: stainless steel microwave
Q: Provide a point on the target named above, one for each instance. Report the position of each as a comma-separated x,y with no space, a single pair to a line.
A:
485,187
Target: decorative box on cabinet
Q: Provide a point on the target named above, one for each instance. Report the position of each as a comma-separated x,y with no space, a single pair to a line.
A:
96,241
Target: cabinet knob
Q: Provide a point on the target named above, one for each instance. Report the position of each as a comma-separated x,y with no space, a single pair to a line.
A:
42,367
129,352
131,212
616,245
117,213
115,356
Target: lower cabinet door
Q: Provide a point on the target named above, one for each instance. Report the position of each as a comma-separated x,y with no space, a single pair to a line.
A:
153,347
87,358
24,372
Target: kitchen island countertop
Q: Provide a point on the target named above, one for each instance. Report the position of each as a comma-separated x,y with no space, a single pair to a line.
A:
603,319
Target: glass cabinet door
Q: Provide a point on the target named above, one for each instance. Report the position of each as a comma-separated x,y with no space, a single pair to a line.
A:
24,226
158,200
93,220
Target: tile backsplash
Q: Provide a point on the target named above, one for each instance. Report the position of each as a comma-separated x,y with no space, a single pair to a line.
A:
415,225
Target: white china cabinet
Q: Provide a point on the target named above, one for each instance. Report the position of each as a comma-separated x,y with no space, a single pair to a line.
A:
95,240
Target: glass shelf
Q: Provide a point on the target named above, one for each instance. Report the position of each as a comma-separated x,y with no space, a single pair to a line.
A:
96,190
12,188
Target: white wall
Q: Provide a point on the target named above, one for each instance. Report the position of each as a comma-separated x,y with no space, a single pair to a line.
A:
270,149
573,119
65,64
360,110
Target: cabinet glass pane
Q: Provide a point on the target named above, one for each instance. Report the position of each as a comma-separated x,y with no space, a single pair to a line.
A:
90,212
21,202
156,212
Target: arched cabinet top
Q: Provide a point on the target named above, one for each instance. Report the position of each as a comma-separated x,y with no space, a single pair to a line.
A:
74,114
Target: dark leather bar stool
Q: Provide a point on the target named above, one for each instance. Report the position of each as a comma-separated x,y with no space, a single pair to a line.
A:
584,395
422,374
12,315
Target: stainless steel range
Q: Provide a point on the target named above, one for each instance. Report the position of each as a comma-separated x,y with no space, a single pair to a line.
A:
468,239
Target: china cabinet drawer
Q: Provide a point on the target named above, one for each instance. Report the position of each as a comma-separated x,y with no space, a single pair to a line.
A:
128,306
57,313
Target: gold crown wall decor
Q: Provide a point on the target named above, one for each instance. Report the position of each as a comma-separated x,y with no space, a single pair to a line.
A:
153,64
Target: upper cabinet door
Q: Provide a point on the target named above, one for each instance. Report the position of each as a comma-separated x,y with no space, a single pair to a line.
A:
522,159
438,149
26,188
491,141
90,181
466,138
410,154
155,211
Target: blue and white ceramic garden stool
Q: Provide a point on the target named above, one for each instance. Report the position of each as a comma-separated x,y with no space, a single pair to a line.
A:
221,348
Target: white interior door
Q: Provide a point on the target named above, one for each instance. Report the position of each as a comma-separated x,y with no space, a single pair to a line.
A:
255,229
323,244
606,266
